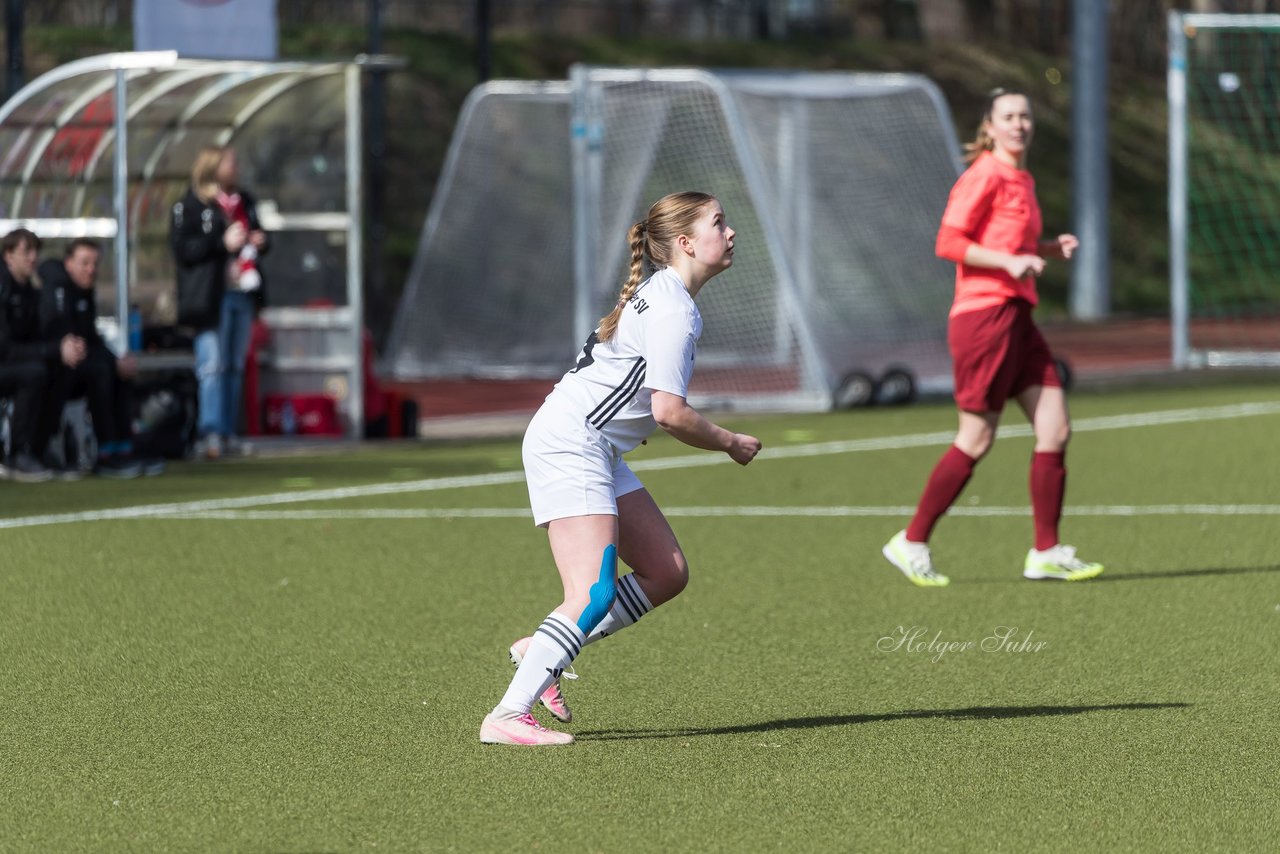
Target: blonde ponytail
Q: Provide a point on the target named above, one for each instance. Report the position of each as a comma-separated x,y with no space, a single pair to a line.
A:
636,240
652,239
981,142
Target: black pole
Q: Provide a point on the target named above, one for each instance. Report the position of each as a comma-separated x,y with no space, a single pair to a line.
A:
13,46
1047,32
375,262
760,20
484,24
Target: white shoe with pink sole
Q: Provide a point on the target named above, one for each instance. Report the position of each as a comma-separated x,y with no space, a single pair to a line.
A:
522,730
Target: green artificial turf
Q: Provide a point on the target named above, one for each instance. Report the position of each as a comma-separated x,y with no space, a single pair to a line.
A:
256,681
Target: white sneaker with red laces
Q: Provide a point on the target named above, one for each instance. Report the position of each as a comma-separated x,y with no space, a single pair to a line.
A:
523,730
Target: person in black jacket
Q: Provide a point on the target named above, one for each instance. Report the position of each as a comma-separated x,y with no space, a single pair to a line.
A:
217,239
27,361
68,306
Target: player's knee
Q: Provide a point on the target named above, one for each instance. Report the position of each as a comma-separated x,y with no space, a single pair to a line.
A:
975,437
1056,437
600,596
977,445
679,575
672,581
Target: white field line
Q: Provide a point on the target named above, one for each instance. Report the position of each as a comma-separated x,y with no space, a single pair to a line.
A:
151,511
1119,510
884,443
946,437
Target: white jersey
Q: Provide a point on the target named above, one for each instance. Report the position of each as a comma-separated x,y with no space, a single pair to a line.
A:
653,349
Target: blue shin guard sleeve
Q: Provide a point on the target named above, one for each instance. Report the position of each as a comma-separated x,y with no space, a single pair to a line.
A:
602,592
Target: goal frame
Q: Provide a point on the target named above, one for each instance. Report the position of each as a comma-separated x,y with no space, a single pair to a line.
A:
586,135
816,331
1184,355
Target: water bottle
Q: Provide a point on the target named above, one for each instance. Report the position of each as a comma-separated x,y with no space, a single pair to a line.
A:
135,328
288,419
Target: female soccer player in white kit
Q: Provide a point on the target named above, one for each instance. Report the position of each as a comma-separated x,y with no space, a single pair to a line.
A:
632,375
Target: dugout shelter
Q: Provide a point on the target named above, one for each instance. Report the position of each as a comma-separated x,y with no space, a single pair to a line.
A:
103,146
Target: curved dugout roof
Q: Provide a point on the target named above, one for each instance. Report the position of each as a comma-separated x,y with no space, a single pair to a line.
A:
296,131
58,134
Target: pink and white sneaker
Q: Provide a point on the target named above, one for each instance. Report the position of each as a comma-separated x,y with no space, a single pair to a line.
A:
523,730
552,698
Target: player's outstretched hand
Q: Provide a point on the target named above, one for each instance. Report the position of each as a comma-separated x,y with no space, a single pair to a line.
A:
1067,245
744,448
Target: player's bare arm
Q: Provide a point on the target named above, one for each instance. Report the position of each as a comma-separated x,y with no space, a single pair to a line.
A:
674,415
1015,265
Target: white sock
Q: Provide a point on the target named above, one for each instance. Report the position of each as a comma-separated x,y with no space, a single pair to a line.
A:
630,605
554,646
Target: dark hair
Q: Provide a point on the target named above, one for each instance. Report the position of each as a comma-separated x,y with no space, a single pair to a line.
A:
81,242
17,238
982,140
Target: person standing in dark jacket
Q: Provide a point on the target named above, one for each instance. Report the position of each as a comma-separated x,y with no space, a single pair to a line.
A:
68,306
27,361
216,239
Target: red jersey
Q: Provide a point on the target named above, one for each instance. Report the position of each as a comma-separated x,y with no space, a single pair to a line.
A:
993,205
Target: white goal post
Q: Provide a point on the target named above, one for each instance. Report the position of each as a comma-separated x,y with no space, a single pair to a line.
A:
1224,189
835,183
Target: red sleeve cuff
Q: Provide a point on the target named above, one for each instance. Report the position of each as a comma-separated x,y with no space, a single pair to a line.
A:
952,244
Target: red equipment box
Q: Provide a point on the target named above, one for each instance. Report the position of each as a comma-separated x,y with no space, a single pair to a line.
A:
301,414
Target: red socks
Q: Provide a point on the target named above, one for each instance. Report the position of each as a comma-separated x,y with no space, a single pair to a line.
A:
952,473
1048,485
945,484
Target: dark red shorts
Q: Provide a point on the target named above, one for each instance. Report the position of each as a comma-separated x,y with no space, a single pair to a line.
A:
997,353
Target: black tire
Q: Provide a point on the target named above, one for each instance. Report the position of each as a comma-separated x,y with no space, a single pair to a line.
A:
1065,375
897,386
856,389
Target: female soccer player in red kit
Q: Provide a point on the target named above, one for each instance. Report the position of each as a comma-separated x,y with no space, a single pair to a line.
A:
991,230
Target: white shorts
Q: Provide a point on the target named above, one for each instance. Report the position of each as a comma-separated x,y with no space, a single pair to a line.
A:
571,469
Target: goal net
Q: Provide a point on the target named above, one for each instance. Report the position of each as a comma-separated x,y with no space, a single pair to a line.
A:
834,182
1224,189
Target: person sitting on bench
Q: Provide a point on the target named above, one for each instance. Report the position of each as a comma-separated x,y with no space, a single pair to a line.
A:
68,305
27,362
